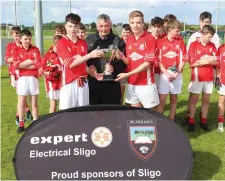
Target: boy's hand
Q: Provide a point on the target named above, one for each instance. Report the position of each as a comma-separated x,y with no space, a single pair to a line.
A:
118,54
10,60
81,81
217,83
121,76
169,76
96,53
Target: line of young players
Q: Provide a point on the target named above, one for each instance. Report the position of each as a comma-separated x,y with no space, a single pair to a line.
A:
156,57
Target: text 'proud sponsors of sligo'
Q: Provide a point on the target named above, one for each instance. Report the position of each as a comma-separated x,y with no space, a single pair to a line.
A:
112,174
101,137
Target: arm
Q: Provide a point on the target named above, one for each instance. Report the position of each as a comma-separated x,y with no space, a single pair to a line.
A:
81,59
25,64
8,58
31,67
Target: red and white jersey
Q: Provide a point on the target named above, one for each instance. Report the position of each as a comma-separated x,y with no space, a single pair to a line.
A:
21,54
172,53
10,47
52,58
67,50
196,52
195,36
221,52
138,52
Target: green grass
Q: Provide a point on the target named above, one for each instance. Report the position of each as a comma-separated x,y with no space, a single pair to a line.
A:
209,147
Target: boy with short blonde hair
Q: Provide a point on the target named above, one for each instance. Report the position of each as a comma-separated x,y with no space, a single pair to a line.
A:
141,55
172,57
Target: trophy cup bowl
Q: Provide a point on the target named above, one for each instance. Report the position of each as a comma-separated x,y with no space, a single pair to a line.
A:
106,59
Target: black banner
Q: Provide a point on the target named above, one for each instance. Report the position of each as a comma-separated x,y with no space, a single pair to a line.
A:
103,143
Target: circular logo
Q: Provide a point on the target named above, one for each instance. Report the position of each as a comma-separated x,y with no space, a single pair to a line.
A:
101,137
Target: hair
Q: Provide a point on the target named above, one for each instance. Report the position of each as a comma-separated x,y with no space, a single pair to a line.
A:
208,29
56,38
60,28
156,21
145,28
73,18
82,27
15,29
126,27
25,32
169,17
104,17
205,15
136,14
173,24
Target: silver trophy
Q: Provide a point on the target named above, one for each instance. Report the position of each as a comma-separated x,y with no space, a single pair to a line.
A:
106,59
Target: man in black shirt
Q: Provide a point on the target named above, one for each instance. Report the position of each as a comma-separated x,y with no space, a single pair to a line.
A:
105,92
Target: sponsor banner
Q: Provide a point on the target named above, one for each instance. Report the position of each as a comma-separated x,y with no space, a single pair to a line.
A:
103,143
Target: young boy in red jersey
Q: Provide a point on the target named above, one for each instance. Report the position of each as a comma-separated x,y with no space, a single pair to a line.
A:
220,81
172,56
155,27
82,32
52,70
203,57
141,55
9,60
27,60
72,53
205,18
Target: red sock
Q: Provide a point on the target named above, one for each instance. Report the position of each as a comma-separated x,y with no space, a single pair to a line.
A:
21,123
220,119
191,120
203,120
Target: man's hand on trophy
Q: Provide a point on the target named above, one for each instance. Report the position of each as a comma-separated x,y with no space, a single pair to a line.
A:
93,72
96,53
109,68
121,76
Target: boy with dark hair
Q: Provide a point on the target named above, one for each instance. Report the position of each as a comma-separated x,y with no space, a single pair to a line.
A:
126,32
82,32
172,56
72,53
155,28
10,48
27,59
203,57
52,70
205,18
141,55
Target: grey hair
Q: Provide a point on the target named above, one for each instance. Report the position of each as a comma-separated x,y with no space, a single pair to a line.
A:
104,17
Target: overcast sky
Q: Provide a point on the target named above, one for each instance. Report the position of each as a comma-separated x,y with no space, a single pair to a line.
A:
118,10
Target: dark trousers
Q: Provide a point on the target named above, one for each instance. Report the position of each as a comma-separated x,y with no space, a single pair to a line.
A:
104,92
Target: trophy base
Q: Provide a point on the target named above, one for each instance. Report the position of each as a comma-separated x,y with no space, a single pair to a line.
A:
107,78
